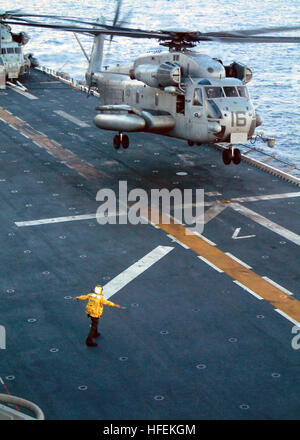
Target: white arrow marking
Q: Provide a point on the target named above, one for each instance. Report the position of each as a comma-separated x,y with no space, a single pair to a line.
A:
263,221
135,270
236,233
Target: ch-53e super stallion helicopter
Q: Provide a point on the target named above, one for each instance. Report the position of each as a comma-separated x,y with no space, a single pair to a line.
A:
178,92
12,59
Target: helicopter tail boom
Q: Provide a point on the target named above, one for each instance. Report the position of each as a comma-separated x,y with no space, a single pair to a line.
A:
96,58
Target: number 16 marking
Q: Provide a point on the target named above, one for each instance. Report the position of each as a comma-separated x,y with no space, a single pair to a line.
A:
238,119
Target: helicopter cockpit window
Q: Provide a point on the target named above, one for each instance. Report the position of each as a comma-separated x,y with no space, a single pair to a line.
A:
197,99
243,91
214,92
212,110
230,92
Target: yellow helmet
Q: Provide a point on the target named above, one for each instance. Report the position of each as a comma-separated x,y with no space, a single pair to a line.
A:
99,290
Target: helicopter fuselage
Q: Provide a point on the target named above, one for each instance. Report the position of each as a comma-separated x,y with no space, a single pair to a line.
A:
12,57
183,96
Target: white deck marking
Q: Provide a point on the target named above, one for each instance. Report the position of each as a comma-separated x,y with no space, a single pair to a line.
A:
203,238
247,289
135,270
213,211
238,260
45,221
26,94
263,221
177,241
213,194
210,264
71,118
278,286
71,218
288,317
236,233
267,197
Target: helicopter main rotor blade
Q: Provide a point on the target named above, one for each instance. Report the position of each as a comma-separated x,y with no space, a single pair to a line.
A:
58,27
233,33
64,18
255,31
102,29
8,13
252,39
186,36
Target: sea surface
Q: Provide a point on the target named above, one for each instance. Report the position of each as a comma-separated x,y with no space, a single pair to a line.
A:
275,88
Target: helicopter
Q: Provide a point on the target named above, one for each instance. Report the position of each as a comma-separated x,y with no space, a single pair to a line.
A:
12,59
176,92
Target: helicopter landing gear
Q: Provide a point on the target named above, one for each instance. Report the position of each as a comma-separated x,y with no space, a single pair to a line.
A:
231,154
237,157
117,141
191,143
125,141
227,156
121,139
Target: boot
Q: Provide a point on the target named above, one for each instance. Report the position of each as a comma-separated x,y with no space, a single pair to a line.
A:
89,342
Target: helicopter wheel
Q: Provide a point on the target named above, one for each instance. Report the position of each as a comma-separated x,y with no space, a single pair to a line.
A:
125,141
227,156
117,141
190,143
236,156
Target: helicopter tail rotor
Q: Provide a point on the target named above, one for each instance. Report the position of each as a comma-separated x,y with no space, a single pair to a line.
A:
117,22
96,58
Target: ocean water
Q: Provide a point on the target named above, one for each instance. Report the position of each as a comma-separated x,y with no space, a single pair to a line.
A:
275,88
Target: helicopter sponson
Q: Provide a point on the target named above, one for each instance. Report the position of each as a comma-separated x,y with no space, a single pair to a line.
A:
130,119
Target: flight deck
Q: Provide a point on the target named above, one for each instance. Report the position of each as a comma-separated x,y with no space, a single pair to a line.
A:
210,323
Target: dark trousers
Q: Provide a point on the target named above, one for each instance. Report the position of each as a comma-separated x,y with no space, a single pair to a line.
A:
94,328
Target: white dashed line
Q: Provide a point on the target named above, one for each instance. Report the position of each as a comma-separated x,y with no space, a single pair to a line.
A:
287,317
238,260
278,286
247,289
203,238
177,241
210,264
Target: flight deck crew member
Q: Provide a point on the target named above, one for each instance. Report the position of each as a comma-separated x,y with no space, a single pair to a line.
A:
94,310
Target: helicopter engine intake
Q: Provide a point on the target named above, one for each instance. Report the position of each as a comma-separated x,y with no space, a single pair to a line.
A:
166,74
240,71
21,38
